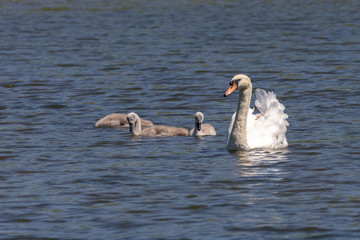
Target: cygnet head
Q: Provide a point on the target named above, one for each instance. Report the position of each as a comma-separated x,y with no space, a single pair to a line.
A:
240,82
199,118
132,118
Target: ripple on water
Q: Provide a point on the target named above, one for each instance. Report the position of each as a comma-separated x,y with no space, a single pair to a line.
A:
65,65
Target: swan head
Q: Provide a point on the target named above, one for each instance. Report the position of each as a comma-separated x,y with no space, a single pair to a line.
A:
132,118
240,82
199,118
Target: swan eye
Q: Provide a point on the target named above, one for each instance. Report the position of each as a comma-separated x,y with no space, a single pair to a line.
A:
234,82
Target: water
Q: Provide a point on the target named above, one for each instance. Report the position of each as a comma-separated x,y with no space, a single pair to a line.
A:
66,64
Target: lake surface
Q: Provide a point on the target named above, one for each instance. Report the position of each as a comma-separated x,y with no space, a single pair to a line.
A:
66,64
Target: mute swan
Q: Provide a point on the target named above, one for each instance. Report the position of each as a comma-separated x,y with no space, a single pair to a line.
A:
154,131
118,120
264,130
201,129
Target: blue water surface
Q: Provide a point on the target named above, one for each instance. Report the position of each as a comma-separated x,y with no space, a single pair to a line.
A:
66,64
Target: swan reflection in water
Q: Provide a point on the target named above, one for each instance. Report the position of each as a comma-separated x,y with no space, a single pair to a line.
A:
260,162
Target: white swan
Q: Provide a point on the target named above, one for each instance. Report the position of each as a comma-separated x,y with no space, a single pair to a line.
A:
264,130
153,131
201,129
118,120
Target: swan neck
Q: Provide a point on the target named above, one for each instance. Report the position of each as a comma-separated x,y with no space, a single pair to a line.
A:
238,135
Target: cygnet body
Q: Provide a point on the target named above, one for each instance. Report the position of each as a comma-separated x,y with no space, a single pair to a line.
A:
201,129
153,131
115,120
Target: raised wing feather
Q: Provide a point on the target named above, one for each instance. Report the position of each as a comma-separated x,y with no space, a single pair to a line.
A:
268,129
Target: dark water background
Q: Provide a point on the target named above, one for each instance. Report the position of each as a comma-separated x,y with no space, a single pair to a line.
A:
65,64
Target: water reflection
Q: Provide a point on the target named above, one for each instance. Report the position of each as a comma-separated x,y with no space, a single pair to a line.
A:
260,162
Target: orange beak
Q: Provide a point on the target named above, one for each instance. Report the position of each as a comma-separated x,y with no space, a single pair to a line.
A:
230,90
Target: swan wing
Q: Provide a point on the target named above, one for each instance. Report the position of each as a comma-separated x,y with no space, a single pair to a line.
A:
268,128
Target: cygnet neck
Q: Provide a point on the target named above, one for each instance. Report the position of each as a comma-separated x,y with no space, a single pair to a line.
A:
136,128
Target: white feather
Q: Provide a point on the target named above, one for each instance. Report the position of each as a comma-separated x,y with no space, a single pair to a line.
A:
268,128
